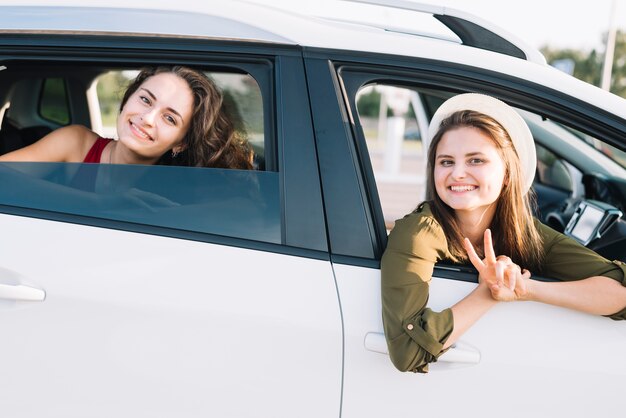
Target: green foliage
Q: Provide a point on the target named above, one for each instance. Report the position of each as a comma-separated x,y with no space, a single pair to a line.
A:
369,104
111,88
588,65
53,105
618,80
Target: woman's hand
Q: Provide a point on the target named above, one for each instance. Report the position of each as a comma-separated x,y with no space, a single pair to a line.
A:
505,279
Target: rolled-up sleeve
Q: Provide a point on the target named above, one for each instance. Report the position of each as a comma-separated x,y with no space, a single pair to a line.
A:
415,334
620,267
568,260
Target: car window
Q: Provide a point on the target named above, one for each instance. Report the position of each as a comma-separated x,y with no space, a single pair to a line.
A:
235,203
231,203
392,123
616,155
53,105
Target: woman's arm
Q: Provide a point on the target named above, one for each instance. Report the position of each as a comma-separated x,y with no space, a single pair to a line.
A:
499,279
596,295
415,333
469,310
67,144
589,282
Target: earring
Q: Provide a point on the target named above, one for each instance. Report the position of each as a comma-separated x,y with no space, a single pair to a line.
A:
175,153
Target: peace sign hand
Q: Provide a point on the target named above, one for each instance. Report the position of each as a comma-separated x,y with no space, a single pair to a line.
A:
505,279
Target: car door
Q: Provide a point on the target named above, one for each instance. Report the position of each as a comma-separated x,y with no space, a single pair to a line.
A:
170,291
520,359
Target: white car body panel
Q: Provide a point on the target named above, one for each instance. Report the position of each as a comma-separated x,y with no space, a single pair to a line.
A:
517,344
267,24
124,324
139,325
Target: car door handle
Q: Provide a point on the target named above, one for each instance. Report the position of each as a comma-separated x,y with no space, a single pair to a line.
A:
458,353
22,293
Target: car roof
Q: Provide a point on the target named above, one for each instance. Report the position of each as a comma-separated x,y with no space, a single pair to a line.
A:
239,19
244,21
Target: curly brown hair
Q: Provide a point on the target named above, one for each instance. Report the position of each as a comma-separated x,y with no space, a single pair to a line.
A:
211,140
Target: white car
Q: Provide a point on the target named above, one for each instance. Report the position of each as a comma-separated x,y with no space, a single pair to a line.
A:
159,291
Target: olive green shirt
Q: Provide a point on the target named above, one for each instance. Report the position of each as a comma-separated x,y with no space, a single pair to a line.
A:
416,334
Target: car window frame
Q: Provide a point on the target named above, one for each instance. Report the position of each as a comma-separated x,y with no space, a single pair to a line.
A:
65,97
457,78
285,113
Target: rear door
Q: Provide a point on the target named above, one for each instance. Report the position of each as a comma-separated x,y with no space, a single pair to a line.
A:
171,291
520,357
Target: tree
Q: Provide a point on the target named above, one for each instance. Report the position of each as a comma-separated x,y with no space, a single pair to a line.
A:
618,79
111,87
369,103
588,65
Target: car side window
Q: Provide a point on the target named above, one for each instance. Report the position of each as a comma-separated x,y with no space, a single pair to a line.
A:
53,103
395,118
230,203
233,203
389,119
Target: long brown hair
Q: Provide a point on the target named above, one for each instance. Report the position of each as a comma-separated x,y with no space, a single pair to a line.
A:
513,229
211,140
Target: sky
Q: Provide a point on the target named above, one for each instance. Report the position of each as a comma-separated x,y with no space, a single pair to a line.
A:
577,24
560,23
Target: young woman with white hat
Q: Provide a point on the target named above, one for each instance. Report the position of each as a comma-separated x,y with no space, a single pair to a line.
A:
481,165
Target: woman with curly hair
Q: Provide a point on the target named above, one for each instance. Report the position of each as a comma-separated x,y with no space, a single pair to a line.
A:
168,115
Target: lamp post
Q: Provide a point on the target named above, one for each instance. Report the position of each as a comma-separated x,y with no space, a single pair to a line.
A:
607,67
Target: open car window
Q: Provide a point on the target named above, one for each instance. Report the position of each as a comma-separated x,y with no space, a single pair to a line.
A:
243,204
393,121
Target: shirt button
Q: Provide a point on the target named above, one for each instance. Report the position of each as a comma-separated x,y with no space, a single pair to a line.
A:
409,327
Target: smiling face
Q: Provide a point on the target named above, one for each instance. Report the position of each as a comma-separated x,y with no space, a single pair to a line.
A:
468,170
156,117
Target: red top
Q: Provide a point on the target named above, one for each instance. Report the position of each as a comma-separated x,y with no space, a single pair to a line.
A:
95,152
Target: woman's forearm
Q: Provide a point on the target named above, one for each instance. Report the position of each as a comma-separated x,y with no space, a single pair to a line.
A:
469,310
596,295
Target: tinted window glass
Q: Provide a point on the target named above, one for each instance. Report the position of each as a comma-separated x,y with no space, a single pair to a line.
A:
234,203
53,104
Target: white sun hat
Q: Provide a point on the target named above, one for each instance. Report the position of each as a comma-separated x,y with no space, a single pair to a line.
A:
505,115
